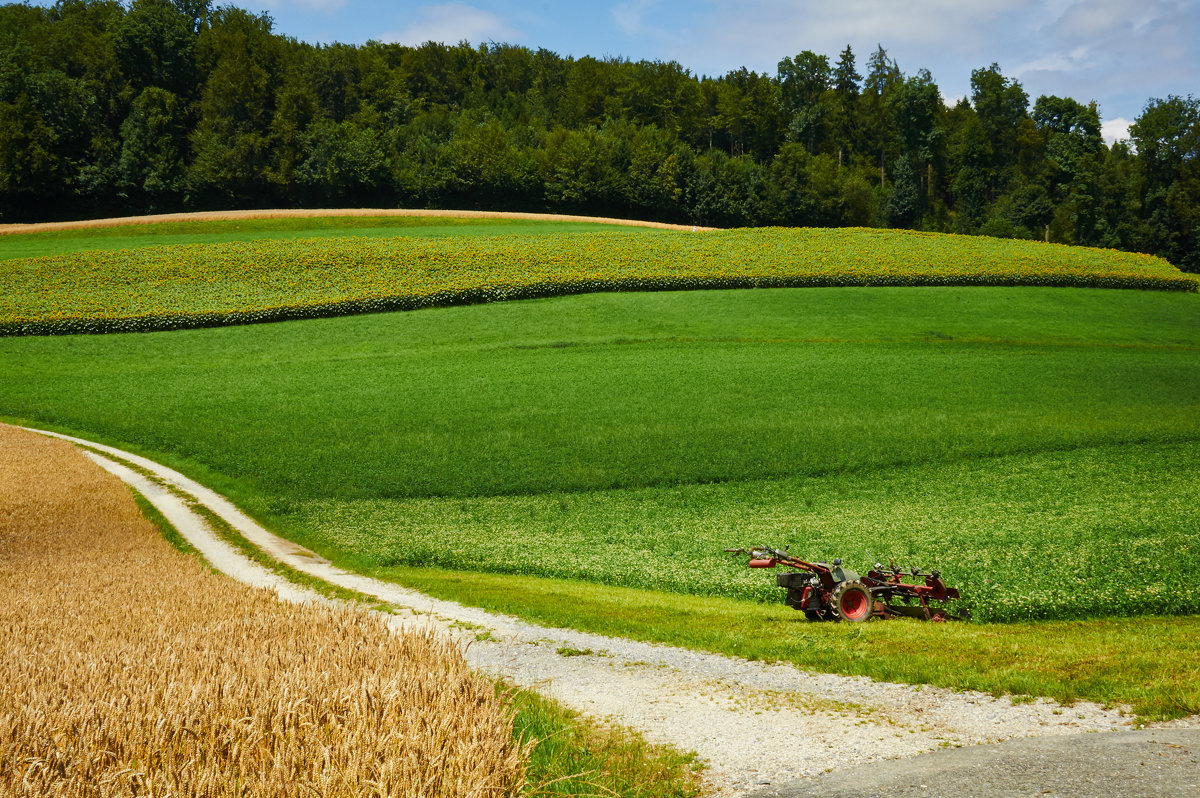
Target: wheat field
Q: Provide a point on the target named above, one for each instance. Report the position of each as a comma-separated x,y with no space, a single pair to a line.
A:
130,669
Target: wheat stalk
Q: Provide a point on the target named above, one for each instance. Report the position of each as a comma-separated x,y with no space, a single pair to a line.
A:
129,669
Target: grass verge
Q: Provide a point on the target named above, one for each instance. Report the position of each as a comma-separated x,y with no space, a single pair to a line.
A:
164,527
571,756
1146,663
231,536
580,757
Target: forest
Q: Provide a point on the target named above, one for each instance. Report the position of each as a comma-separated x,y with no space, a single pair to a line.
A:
165,105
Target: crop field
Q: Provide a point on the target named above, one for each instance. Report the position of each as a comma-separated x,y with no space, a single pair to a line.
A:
209,284
1087,533
1040,445
129,669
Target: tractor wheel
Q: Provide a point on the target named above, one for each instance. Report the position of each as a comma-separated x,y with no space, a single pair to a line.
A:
850,601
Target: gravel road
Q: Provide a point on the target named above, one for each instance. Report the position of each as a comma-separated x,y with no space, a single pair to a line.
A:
755,725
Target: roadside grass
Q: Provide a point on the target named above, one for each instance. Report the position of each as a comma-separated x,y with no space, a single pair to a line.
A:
579,757
61,242
222,529
1147,663
169,533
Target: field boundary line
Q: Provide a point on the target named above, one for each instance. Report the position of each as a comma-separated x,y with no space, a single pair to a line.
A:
314,213
692,700
192,527
280,549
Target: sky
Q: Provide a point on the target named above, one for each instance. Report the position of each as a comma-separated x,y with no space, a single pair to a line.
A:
1119,53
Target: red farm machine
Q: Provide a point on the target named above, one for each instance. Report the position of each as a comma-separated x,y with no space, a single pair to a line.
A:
825,592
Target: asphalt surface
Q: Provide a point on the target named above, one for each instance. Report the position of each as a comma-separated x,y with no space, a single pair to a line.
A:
1131,764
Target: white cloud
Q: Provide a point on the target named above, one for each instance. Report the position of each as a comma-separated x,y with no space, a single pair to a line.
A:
1134,38
1115,130
918,34
451,23
1117,52
630,16
328,6
1098,19
1054,62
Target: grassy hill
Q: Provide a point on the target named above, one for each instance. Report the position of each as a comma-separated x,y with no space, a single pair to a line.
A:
1039,445
483,432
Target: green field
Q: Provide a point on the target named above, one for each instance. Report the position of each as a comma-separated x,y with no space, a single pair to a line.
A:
1040,445
1084,533
951,427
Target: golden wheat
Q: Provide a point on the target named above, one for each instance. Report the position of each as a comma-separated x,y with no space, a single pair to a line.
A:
128,669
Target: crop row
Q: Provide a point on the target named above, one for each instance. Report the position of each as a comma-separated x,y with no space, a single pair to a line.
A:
198,285
1117,537
128,669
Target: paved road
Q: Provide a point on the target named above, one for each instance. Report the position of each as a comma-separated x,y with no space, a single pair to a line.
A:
1155,763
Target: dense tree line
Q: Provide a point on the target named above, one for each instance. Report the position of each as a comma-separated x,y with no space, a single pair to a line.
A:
173,104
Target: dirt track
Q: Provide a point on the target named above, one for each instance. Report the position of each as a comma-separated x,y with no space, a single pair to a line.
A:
284,213
729,711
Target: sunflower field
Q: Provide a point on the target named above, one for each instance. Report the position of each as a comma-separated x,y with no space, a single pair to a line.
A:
203,285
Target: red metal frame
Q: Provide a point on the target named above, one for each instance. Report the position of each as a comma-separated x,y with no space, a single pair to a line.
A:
890,595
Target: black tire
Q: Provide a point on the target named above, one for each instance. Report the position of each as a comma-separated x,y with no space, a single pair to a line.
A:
851,602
